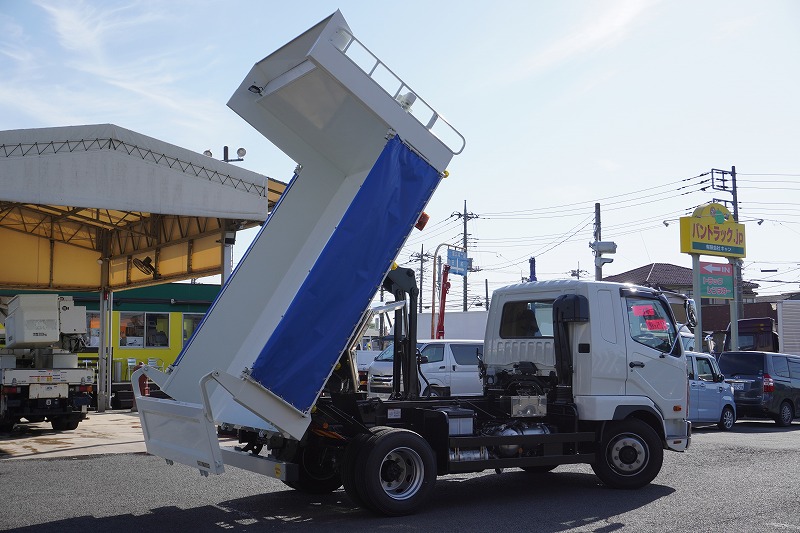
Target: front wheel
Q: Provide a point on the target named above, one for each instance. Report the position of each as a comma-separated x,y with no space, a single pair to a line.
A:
630,455
396,473
727,419
785,415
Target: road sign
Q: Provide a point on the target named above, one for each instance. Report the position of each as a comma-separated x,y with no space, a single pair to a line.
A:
457,259
716,280
711,230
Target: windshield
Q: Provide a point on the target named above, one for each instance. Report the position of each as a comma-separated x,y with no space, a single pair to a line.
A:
388,353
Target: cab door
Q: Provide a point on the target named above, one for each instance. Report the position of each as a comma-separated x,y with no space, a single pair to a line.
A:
694,392
656,365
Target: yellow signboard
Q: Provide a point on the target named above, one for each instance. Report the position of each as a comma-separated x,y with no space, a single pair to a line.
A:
711,230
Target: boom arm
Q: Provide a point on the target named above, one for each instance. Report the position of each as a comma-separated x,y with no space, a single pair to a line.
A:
442,298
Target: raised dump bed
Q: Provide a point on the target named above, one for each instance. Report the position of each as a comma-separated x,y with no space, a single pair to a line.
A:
370,154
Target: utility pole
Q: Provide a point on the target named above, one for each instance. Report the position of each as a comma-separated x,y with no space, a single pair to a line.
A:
465,216
577,272
422,257
737,306
598,269
600,247
737,270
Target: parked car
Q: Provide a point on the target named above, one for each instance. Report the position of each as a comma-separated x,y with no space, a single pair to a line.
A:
765,384
450,364
711,398
363,360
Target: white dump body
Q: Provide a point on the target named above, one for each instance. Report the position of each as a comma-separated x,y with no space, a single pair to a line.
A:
296,299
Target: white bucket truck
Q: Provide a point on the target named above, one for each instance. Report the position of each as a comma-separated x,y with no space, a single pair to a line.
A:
39,374
601,379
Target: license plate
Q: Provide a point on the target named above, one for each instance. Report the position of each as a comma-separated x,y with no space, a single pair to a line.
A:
738,386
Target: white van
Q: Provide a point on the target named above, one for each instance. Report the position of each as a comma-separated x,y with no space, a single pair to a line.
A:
449,363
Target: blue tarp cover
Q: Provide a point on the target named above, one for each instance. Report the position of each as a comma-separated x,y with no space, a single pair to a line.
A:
306,344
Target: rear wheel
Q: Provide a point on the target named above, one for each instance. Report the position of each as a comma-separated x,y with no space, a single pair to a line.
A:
785,415
396,472
351,454
64,423
727,419
630,455
318,470
356,448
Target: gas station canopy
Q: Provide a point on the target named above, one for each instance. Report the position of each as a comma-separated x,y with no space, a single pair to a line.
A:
101,207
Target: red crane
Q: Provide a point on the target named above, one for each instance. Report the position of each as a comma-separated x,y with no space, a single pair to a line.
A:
442,298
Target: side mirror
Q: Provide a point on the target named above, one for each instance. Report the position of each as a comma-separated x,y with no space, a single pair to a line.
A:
691,313
720,378
422,359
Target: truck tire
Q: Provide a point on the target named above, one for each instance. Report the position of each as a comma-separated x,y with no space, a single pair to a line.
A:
6,426
354,451
351,455
64,423
630,455
396,472
318,470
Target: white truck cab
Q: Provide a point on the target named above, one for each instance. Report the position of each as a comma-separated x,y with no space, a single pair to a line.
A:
627,355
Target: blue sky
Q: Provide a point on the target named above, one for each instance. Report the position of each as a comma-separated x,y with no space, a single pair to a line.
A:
563,104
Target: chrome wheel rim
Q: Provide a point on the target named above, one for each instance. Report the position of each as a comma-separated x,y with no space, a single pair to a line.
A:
402,473
628,454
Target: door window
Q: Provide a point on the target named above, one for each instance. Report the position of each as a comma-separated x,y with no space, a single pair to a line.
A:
704,370
650,323
434,353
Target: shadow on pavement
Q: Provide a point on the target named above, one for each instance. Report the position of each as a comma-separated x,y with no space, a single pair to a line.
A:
478,503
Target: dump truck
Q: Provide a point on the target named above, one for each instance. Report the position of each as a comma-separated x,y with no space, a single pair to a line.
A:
39,375
601,380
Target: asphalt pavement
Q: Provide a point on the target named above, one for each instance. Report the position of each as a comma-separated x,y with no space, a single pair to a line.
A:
100,434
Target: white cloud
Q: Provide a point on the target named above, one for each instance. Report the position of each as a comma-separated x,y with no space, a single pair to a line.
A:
102,68
608,29
87,29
